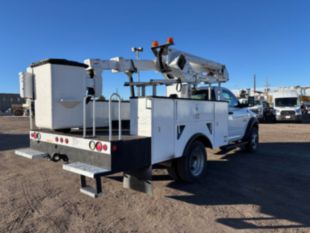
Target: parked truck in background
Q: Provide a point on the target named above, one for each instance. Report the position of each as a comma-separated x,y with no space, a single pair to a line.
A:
287,105
305,99
264,112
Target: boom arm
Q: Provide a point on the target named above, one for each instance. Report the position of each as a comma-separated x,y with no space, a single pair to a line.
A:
172,63
176,64
119,64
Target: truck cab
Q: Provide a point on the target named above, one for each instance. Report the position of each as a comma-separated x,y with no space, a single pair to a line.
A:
239,115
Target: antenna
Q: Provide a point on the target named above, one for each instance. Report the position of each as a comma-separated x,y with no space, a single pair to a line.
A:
137,51
254,82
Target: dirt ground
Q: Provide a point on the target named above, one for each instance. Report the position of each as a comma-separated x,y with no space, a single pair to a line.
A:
268,191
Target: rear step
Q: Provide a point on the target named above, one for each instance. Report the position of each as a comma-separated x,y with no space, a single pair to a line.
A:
31,153
86,170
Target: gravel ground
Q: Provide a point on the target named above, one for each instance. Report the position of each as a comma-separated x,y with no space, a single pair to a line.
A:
268,191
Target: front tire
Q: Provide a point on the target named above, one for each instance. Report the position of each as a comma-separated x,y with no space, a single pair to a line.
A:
192,165
252,143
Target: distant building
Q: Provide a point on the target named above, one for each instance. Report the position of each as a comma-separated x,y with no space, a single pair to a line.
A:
6,101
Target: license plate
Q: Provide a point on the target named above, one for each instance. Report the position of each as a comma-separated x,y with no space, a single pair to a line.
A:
287,117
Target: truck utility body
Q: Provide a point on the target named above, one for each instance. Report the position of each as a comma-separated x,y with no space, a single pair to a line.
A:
159,121
130,137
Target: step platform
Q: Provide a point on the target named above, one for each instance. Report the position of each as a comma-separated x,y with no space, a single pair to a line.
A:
90,171
31,153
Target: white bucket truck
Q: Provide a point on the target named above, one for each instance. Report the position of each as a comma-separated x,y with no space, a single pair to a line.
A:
172,130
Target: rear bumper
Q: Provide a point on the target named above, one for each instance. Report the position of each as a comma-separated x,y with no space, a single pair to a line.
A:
129,155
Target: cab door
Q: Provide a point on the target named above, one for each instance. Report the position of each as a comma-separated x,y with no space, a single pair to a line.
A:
237,117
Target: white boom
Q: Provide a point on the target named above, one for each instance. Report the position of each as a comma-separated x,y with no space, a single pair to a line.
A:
193,69
172,63
119,64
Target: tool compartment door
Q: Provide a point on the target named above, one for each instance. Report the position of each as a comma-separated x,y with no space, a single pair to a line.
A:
163,129
193,117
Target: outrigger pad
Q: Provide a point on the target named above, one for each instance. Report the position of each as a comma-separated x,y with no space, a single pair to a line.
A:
139,180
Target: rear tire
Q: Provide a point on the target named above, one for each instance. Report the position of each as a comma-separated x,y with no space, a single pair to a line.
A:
192,165
252,142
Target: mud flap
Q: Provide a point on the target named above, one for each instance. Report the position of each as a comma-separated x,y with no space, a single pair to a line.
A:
139,180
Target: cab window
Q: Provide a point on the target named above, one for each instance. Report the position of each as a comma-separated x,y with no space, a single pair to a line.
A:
230,98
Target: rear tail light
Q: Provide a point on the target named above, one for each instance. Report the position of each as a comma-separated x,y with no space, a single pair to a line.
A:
66,140
61,140
56,139
35,135
98,146
114,148
104,147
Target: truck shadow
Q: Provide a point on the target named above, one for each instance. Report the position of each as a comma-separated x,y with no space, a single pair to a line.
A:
13,141
275,179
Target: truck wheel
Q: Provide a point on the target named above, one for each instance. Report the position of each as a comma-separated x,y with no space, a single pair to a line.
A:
192,165
252,143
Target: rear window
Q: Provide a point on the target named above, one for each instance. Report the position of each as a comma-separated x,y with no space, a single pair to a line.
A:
203,95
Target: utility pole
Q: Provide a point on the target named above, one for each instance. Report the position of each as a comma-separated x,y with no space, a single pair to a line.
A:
267,89
254,80
267,85
137,51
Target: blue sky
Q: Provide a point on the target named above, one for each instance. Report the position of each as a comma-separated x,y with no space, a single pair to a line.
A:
269,38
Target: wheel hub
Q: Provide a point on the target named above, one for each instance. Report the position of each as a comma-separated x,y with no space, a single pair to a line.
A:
197,162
